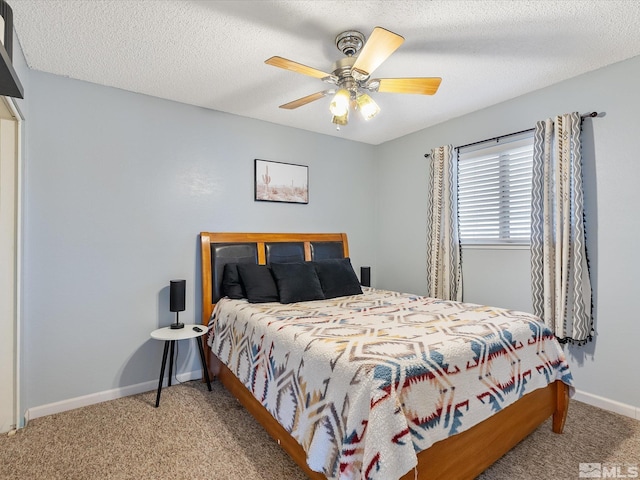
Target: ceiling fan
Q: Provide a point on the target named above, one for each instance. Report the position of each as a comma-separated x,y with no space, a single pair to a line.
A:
352,75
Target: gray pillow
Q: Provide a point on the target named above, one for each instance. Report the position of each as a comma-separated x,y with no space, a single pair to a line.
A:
297,282
231,283
337,277
258,283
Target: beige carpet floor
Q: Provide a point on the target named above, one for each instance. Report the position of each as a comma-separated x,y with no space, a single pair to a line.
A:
196,434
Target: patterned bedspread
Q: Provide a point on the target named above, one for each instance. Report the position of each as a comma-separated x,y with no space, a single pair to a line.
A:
364,382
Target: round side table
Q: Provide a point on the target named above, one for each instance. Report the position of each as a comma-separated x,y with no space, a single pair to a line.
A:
170,336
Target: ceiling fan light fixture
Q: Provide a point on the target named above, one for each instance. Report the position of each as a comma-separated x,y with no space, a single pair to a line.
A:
367,106
339,106
340,120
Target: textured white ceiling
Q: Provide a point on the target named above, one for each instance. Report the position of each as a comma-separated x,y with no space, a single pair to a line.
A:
211,53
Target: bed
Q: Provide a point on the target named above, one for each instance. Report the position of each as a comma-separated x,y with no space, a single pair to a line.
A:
513,406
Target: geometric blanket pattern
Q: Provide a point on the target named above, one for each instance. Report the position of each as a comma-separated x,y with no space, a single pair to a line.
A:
365,382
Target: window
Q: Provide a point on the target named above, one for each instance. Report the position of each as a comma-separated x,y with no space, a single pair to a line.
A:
494,191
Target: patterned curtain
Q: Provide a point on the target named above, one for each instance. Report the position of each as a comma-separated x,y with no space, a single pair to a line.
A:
444,274
560,276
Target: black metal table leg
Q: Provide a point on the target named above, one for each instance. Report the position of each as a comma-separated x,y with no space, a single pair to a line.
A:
204,363
164,362
173,343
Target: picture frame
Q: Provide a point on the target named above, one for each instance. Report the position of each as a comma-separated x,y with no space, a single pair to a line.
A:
280,182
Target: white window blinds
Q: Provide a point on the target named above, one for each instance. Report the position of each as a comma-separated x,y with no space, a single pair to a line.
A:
494,191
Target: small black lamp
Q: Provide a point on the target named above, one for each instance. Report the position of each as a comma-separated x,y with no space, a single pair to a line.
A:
176,299
365,276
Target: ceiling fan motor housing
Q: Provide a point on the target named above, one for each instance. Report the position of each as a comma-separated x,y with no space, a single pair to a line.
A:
342,70
349,79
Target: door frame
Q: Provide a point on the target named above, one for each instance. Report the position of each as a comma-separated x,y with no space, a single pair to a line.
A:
17,419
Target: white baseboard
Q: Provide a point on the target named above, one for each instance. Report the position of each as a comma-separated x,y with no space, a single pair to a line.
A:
607,404
99,397
72,403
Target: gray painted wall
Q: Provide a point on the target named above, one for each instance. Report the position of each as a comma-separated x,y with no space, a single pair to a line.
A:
608,366
117,187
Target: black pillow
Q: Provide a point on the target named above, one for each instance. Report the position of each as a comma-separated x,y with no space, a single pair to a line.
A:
297,282
231,284
337,277
258,283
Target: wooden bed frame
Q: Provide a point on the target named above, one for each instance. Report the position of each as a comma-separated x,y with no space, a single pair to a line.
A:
462,456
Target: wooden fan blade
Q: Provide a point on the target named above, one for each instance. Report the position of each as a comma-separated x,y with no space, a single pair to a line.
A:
421,86
304,100
376,50
296,67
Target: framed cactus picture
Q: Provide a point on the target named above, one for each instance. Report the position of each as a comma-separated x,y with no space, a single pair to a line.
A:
281,182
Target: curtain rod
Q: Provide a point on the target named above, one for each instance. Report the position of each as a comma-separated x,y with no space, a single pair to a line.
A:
582,117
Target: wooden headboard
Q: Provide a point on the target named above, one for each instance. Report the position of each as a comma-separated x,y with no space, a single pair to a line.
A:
220,248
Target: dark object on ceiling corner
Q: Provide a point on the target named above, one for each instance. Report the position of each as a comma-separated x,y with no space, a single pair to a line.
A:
10,85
